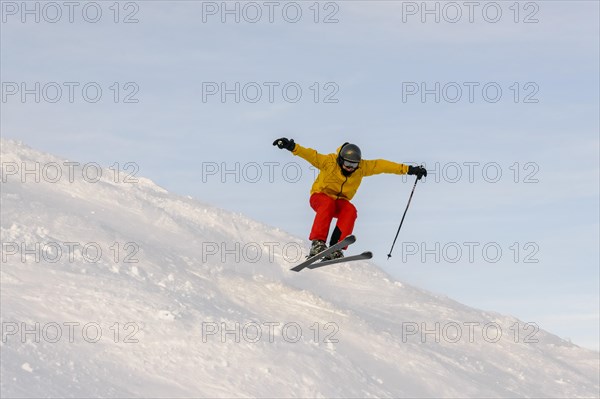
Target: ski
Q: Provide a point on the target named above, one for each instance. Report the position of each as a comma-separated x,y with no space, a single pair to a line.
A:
364,255
346,241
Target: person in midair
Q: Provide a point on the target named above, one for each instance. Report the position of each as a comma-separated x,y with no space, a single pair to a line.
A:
340,175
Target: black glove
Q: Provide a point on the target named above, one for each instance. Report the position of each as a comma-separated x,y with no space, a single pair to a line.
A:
285,143
419,171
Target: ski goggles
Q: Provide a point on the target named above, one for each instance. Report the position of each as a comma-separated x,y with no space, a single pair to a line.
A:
349,164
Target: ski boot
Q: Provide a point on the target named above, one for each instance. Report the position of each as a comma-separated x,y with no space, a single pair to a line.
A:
334,255
316,247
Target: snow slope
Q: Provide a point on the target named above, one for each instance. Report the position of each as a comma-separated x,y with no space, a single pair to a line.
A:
210,308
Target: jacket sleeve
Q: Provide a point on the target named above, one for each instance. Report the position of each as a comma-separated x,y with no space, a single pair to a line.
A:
377,166
312,156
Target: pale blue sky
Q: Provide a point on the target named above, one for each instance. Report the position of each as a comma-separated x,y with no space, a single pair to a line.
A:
173,135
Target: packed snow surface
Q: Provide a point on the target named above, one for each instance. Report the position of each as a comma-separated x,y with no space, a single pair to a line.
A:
113,287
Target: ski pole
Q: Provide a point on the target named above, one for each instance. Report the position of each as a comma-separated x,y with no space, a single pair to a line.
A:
402,221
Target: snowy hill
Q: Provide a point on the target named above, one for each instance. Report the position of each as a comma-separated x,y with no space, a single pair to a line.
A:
139,292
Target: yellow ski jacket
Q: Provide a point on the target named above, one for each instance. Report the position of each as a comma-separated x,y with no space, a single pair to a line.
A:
332,182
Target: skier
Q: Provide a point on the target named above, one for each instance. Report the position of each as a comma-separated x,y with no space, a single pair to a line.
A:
340,174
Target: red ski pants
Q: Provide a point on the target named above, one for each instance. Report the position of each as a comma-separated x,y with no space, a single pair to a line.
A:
328,208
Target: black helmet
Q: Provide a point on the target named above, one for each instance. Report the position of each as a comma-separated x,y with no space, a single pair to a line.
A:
349,158
350,152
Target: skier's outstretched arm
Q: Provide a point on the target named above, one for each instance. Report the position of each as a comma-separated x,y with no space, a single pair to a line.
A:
310,155
377,166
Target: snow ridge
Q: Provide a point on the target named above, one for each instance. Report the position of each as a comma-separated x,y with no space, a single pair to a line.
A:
113,287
